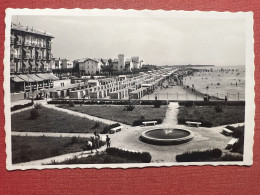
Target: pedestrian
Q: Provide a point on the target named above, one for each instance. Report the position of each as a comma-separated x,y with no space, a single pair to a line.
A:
24,95
225,98
94,147
89,145
97,139
205,97
108,141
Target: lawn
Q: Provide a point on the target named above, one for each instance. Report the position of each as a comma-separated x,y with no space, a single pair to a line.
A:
212,116
120,114
50,120
26,149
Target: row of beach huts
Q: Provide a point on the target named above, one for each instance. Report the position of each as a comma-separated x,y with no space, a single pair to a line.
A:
122,87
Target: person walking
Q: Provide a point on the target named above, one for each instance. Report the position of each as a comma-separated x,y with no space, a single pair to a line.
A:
108,141
94,147
97,139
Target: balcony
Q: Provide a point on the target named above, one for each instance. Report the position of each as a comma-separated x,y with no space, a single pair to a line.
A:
18,56
26,56
18,42
38,57
27,43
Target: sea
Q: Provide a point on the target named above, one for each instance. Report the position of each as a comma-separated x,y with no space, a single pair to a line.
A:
219,81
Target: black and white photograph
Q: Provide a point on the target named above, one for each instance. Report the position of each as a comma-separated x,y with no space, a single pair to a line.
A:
127,88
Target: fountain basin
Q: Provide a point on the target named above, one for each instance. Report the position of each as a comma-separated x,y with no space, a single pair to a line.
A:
166,136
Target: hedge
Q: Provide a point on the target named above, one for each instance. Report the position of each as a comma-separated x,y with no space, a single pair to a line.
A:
140,121
211,103
197,156
145,157
109,127
18,107
113,102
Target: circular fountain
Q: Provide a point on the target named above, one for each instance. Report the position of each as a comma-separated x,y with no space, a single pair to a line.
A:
166,136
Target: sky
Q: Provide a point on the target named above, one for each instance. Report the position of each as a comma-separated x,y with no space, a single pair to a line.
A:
156,40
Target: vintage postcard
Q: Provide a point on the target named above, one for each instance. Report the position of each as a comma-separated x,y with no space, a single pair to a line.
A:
127,88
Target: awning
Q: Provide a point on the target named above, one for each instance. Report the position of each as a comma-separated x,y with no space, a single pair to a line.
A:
26,64
34,77
26,78
52,77
43,76
17,79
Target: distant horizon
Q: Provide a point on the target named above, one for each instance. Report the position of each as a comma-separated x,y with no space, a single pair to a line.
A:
156,40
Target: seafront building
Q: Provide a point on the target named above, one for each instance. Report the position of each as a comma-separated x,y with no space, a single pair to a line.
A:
89,66
30,59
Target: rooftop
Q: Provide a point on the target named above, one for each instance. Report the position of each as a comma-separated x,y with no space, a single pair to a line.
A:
28,29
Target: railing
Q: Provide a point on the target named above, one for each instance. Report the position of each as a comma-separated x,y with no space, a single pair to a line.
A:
27,56
193,96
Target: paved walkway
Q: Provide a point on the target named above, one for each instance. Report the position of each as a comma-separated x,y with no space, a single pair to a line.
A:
170,119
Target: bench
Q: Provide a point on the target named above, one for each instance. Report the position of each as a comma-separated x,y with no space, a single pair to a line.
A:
231,143
115,129
227,131
189,123
149,123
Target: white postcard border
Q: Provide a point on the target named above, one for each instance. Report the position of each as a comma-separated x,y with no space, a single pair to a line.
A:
249,88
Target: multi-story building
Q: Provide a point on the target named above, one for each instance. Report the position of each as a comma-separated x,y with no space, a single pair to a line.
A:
89,66
66,64
30,59
30,50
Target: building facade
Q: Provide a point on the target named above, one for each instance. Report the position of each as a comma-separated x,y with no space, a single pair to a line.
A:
66,64
88,66
30,50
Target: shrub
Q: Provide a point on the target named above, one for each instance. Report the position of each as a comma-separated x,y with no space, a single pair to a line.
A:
197,156
18,107
37,106
157,104
71,104
96,125
34,114
188,104
231,157
109,127
130,108
74,140
145,157
218,109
